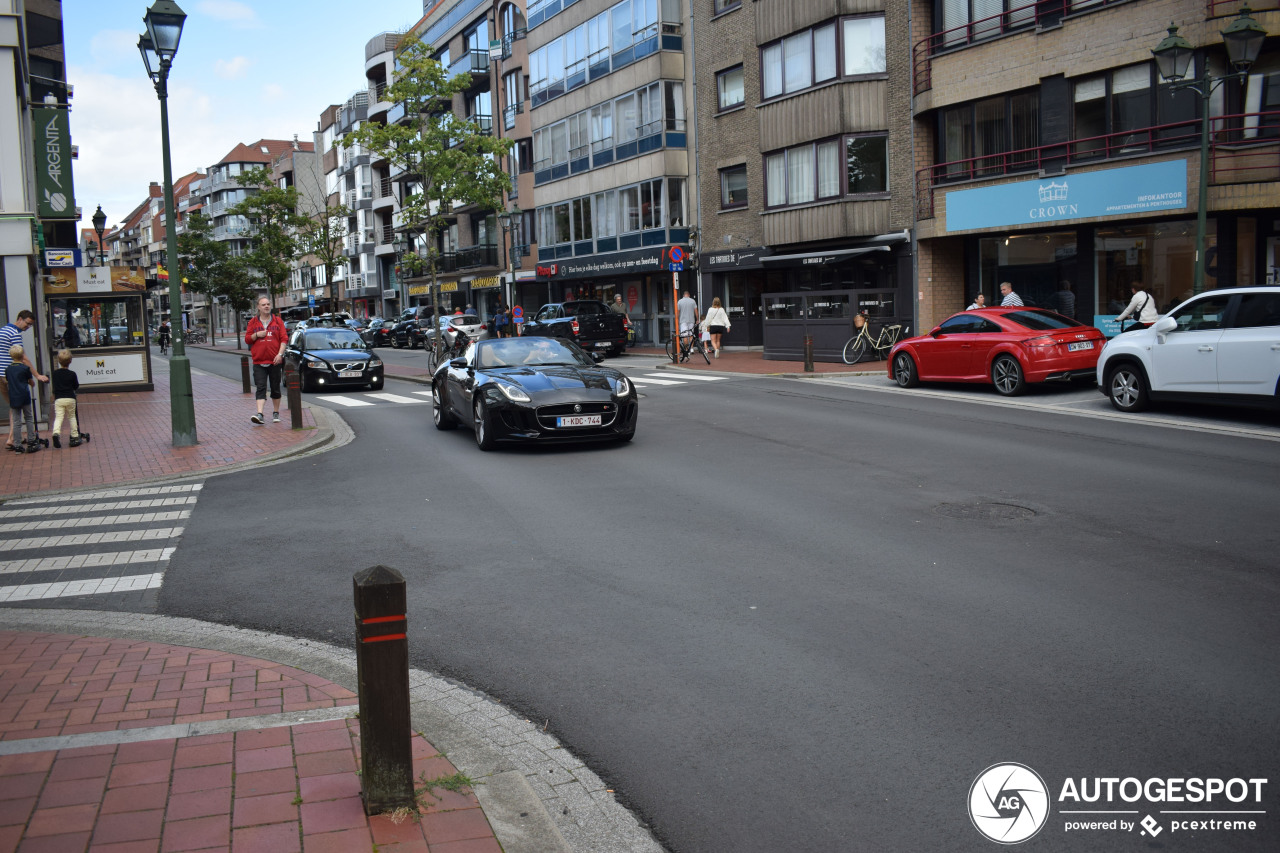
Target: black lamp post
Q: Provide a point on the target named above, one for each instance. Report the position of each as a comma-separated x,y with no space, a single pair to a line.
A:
510,221
1243,39
99,225
159,45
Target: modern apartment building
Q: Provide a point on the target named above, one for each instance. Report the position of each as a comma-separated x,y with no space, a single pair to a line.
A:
1052,155
804,168
610,97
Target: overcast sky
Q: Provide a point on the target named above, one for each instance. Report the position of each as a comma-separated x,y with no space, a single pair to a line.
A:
244,71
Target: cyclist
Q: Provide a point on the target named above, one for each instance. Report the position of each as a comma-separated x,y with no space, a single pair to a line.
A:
163,336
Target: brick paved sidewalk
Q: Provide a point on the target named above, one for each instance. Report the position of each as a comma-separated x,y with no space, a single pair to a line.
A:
120,778
132,438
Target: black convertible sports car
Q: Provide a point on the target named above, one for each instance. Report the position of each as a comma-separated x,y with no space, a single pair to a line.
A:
332,358
533,389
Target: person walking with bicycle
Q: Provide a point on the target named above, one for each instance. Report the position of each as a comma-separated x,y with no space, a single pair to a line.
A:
687,314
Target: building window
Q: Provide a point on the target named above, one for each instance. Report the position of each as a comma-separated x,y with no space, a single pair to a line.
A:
811,172
724,5
733,187
867,164
964,21
812,57
1121,102
729,87
864,46
975,139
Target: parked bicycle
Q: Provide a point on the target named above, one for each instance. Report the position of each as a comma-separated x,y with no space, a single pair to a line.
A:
689,344
863,341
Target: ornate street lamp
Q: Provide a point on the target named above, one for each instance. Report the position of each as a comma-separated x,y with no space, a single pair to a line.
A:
510,221
1243,39
99,225
159,45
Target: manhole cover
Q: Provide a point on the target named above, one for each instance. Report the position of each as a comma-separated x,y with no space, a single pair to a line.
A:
983,511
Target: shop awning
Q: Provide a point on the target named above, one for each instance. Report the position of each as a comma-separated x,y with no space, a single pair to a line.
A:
823,257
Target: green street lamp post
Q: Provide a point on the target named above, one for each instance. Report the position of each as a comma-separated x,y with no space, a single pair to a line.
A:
164,22
1243,39
99,225
510,221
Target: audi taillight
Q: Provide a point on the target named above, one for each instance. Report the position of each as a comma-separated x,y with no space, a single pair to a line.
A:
1042,341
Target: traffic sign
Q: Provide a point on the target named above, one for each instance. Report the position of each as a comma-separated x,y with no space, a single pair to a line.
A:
517,314
676,255
311,300
676,267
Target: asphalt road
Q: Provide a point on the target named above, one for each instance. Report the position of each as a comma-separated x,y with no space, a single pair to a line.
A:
804,616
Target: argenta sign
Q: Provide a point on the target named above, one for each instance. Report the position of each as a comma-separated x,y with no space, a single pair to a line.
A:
56,198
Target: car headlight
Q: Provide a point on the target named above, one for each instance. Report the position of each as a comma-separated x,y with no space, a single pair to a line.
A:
317,365
375,362
513,393
624,387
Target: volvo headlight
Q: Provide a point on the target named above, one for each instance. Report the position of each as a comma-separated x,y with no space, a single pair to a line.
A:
375,362
513,393
317,365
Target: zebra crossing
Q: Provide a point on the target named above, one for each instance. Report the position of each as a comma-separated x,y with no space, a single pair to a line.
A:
113,544
374,398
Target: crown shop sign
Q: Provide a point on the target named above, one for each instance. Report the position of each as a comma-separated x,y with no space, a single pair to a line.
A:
1123,191
56,198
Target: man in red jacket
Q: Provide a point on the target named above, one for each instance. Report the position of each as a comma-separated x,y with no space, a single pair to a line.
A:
265,337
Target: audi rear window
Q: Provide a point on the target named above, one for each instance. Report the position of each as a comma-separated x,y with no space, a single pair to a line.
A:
1041,321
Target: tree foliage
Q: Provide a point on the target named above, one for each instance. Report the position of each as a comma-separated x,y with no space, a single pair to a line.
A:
272,212
207,267
452,162
322,234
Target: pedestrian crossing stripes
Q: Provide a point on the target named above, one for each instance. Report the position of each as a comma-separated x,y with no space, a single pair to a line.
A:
82,544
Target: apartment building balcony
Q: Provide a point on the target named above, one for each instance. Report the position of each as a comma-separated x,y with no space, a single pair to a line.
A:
509,40
477,256
1244,148
230,232
386,240
351,159
475,63
485,123
385,195
360,198
509,115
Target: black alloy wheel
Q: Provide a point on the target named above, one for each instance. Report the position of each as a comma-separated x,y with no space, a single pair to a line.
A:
904,371
484,430
1006,375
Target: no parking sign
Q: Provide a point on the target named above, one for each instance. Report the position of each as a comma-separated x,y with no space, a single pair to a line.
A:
676,259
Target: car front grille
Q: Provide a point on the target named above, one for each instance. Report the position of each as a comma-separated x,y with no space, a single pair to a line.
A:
547,414
354,365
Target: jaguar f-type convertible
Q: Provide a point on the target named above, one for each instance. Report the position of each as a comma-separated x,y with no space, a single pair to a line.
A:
533,389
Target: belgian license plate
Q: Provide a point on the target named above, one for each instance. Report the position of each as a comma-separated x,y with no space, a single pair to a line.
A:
1080,345
603,344
349,374
578,421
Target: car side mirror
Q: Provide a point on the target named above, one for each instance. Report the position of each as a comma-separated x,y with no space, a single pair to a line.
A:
459,362
937,330
1165,325
597,357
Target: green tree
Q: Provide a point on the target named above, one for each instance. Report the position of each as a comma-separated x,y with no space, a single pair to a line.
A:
201,259
322,235
452,162
272,212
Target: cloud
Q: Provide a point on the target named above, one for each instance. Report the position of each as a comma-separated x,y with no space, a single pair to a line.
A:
232,12
112,48
235,68
274,93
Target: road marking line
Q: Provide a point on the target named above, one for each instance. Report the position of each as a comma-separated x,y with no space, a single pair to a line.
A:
113,493
656,381
423,393
393,398
63,523
105,537
695,377
346,401
92,586
68,510
85,561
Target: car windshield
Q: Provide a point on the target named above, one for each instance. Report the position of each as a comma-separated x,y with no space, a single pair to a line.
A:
534,352
584,309
1041,321
333,339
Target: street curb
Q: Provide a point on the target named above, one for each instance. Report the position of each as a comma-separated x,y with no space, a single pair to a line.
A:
538,797
424,380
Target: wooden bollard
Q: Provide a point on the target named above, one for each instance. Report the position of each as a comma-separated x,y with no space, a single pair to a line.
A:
808,353
293,393
244,374
382,670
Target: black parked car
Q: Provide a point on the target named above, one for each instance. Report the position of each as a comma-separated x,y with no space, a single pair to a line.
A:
533,389
333,358
407,333
377,333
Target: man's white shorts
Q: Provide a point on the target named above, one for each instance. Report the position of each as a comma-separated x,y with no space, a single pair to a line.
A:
686,328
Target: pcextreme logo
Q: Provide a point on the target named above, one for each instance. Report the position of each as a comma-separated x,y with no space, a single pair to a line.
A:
1009,803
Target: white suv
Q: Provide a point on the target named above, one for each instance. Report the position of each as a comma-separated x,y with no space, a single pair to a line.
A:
1222,346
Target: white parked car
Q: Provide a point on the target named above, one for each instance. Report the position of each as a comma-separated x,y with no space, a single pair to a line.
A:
1222,346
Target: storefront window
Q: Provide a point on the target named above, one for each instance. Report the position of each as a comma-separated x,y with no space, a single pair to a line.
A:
1161,258
93,322
1035,264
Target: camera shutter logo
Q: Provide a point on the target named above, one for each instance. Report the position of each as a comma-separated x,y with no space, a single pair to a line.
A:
1008,803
